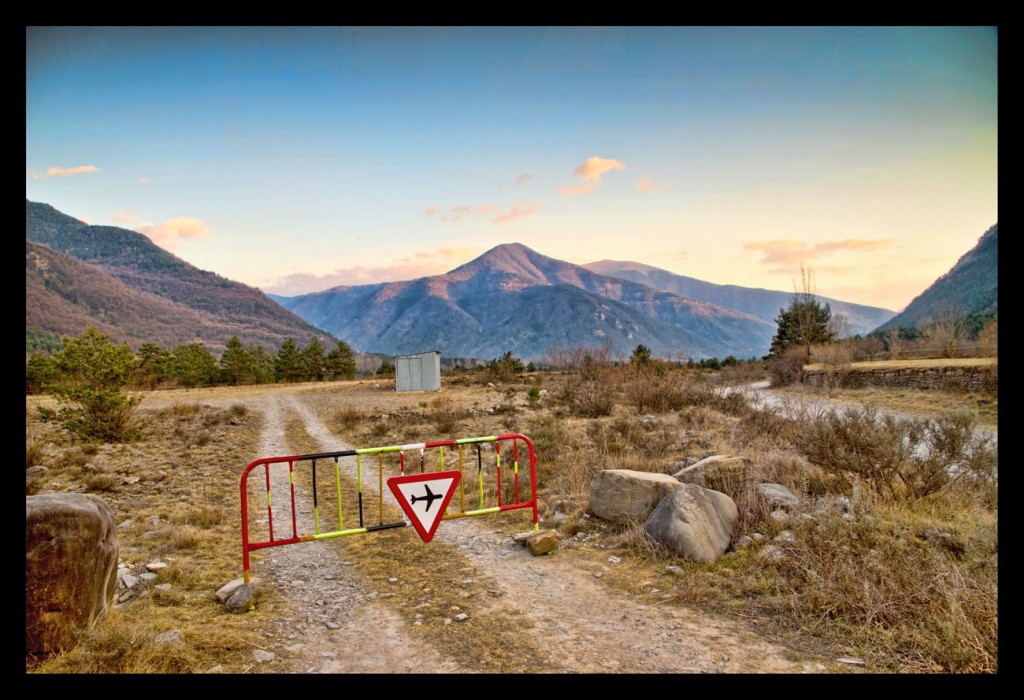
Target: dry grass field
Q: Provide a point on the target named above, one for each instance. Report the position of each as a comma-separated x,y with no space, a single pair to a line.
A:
905,578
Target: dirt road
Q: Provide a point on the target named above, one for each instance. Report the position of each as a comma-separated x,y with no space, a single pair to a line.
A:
335,621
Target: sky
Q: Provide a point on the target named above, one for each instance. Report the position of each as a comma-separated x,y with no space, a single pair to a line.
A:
297,159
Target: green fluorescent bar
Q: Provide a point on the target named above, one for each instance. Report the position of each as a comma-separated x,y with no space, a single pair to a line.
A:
482,511
467,441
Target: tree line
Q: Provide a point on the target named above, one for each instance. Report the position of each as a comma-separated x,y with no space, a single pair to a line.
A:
192,364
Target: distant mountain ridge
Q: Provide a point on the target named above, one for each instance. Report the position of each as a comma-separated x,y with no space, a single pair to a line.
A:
79,275
761,303
514,298
970,288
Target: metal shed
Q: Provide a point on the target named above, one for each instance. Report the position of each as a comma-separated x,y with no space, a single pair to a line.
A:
418,372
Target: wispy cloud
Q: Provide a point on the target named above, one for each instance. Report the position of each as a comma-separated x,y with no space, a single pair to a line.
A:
523,179
645,185
56,171
170,233
143,180
123,217
423,263
573,190
590,172
786,255
461,211
515,213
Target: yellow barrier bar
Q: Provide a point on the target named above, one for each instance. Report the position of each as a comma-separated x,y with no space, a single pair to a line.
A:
337,485
441,448
462,485
380,487
466,514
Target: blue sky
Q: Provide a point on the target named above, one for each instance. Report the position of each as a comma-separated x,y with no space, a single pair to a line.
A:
296,159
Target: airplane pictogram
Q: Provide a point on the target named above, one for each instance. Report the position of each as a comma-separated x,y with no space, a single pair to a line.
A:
435,486
430,497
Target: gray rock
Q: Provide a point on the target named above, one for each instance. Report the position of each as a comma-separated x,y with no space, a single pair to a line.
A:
778,495
779,516
71,553
785,537
741,542
677,570
171,637
461,617
128,581
162,586
225,591
125,525
771,553
624,495
542,542
695,522
36,472
147,577
263,656
156,566
724,473
244,598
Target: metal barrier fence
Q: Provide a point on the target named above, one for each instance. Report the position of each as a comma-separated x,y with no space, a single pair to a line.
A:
287,489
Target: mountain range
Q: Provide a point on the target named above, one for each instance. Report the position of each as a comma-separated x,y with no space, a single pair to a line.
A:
969,290
511,298
764,304
515,299
78,275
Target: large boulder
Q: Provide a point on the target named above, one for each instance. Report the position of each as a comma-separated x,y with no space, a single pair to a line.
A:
622,495
71,555
695,522
725,473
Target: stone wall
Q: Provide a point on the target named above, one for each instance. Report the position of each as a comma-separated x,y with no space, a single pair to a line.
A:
960,378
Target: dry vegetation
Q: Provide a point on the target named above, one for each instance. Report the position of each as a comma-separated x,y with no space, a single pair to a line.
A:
902,576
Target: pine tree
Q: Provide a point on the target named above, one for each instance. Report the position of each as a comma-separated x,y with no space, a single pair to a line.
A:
289,365
805,323
313,356
236,364
92,375
194,365
341,362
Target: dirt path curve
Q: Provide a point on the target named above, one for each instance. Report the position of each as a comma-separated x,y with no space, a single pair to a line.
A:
583,626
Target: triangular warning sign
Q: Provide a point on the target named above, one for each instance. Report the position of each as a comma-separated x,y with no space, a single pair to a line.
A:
424,498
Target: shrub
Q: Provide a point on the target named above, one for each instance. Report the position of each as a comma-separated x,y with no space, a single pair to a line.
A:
900,457
92,373
787,368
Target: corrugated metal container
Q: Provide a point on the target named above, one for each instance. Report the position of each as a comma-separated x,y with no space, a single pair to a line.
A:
418,372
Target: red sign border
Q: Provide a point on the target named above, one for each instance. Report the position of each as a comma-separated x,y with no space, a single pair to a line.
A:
395,481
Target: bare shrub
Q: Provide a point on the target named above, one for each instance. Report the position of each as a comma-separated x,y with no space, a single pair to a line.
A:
35,451
787,368
836,359
346,419
445,415
101,482
900,457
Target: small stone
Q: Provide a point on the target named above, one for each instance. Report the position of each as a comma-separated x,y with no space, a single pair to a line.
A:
225,591
614,560
677,570
153,520
392,580
215,669
598,574
126,524
447,621
150,535
163,587
173,637
263,656
294,647
129,581
850,661
332,625
147,577
156,566
461,617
